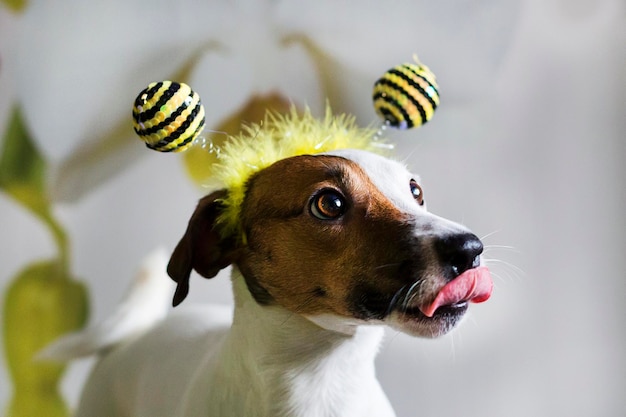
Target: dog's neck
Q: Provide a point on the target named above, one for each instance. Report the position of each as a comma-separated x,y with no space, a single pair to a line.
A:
287,365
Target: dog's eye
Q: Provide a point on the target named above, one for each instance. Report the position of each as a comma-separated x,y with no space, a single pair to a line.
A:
328,205
416,190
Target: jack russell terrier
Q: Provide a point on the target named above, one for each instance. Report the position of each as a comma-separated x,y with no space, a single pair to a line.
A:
329,253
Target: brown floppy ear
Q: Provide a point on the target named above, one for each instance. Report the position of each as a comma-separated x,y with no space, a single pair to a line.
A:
202,247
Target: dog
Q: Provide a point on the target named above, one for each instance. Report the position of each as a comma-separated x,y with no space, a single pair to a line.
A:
329,255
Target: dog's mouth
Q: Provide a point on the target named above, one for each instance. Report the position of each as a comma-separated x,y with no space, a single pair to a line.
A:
474,285
444,319
443,311
437,317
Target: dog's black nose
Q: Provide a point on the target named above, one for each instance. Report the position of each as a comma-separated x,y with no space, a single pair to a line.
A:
459,252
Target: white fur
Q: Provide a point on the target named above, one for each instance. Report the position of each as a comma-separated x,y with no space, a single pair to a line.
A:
389,176
278,363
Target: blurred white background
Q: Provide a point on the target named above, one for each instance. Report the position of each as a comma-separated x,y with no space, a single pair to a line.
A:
527,149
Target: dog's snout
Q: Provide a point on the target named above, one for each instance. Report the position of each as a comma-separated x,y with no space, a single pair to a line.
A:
459,252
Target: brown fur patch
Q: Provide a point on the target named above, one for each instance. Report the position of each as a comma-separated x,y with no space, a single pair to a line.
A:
313,266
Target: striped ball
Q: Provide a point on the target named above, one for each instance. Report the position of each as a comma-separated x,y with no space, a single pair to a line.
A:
168,116
406,96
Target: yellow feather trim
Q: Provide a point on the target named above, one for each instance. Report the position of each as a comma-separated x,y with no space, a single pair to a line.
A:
278,137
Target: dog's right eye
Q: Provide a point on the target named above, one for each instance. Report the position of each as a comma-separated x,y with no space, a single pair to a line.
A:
328,205
417,192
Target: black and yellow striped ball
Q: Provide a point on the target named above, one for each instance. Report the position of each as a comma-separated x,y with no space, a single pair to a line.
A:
406,96
168,116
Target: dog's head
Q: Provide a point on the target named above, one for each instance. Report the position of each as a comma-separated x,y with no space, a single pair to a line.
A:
342,239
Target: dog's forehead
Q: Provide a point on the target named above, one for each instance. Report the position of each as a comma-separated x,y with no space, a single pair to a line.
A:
390,177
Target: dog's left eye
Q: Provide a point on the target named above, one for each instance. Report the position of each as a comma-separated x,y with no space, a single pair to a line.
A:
417,192
328,205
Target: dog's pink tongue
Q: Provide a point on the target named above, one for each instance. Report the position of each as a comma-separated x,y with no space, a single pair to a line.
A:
473,285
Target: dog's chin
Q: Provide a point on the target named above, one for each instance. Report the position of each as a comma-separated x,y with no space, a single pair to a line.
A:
413,322
410,321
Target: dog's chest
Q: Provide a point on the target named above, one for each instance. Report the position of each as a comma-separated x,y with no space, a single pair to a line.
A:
296,371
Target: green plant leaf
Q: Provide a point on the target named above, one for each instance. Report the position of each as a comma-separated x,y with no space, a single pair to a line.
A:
15,5
22,166
22,175
42,303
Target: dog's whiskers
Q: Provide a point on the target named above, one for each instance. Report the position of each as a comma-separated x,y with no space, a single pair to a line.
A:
407,295
386,266
515,272
492,247
489,234
394,300
410,294
511,272
410,300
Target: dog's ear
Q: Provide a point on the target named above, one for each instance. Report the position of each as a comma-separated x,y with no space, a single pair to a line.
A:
202,247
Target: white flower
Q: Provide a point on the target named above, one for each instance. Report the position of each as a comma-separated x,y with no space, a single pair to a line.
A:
79,65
